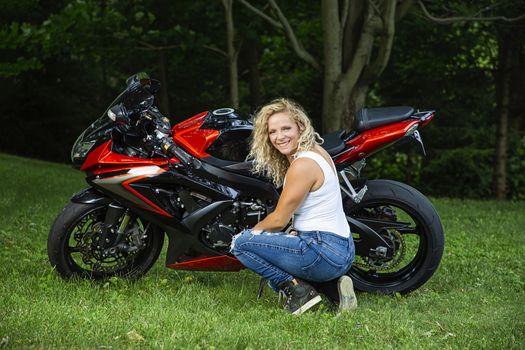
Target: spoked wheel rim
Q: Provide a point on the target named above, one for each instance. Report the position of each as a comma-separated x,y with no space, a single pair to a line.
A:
82,252
404,229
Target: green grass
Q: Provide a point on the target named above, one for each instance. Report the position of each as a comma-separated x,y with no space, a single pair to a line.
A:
475,300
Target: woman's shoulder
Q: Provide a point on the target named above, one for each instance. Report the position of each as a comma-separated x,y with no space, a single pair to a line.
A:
302,163
315,154
318,150
303,166
318,155
303,170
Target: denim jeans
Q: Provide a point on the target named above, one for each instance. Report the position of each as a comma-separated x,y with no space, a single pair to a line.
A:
279,257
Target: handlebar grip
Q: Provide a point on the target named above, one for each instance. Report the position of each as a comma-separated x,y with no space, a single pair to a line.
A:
174,150
180,154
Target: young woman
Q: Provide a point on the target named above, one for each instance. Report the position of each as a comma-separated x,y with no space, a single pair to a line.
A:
320,248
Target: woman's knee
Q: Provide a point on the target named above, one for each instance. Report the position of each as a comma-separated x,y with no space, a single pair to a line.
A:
238,240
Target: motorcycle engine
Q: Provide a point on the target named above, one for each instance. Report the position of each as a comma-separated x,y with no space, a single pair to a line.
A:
218,234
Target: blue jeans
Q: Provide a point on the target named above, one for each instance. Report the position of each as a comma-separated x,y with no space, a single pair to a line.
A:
279,257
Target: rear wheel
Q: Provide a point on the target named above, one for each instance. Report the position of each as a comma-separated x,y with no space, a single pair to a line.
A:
78,247
408,222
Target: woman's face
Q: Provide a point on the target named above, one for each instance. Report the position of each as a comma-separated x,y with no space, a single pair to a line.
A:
284,133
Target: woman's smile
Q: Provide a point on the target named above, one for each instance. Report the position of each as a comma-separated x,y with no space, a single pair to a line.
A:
283,133
283,144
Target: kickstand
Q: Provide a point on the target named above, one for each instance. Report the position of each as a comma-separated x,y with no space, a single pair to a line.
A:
262,283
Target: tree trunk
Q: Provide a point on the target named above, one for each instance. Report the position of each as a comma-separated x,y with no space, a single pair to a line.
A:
333,90
503,93
349,68
232,53
333,110
357,41
356,102
164,97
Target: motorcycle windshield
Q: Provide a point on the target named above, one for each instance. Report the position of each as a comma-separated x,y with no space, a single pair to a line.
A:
136,98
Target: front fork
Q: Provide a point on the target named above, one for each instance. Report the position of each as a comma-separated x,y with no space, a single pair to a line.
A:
115,230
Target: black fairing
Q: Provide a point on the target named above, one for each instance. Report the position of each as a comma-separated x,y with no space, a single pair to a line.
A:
250,186
184,227
233,143
90,196
225,119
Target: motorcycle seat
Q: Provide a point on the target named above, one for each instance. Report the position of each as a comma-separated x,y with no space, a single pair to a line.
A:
368,118
333,142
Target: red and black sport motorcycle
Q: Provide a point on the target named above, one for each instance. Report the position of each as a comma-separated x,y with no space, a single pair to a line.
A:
192,183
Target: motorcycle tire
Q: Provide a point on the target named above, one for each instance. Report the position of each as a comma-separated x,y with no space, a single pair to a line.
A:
74,262
425,232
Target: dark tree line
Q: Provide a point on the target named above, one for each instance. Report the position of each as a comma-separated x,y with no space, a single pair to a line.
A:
62,63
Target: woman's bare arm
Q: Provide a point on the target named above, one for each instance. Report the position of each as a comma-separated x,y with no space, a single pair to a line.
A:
302,174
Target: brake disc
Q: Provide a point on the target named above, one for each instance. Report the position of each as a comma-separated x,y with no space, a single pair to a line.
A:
92,251
396,240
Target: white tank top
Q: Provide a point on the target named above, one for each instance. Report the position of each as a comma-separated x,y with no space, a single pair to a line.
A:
322,209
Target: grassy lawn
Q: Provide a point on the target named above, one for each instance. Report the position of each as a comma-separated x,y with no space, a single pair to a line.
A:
475,300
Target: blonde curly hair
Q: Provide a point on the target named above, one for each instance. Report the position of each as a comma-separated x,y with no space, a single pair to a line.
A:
267,160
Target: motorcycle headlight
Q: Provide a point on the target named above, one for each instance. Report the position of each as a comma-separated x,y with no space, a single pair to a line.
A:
80,149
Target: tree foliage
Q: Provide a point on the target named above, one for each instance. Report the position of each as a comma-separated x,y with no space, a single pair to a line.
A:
62,63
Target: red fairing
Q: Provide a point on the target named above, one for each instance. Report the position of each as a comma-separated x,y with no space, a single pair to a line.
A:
214,263
195,140
102,160
370,141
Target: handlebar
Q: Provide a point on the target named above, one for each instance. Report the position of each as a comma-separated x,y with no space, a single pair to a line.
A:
162,135
171,148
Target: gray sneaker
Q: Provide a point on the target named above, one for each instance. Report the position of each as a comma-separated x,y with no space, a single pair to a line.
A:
300,296
347,299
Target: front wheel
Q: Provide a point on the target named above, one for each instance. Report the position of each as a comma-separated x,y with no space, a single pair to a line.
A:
406,219
77,245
